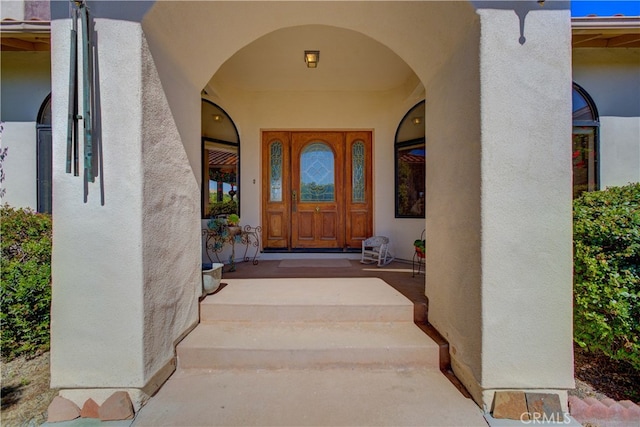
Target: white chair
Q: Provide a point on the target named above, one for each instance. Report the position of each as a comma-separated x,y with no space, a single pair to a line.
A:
376,250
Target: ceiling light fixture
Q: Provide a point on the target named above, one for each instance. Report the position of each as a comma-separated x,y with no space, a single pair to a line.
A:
311,58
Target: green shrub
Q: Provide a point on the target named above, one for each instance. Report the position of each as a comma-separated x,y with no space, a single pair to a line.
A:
606,239
223,208
25,295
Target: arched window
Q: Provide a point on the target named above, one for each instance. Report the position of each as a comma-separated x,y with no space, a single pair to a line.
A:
410,153
585,142
44,157
220,162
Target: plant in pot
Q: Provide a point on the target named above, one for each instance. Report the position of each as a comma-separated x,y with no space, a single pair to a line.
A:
419,246
233,222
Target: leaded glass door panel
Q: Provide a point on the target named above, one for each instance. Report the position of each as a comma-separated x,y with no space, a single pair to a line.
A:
276,189
316,210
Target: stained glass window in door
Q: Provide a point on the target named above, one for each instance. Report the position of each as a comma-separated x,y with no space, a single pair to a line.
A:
358,172
275,161
317,173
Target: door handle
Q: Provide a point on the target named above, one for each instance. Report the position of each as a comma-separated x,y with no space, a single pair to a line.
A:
294,197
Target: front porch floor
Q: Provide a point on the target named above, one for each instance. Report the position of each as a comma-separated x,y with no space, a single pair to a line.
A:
398,274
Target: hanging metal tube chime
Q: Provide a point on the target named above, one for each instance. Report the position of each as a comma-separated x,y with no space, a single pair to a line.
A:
88,96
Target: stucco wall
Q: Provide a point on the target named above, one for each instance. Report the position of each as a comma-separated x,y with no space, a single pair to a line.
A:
619,150
499,242
526,201
12,10
97,256
453,206
171,205
20,165
126,273
611,78
26,82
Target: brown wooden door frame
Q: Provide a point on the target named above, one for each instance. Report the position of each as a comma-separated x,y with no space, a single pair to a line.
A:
340,225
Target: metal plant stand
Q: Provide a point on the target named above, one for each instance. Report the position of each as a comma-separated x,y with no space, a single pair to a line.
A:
247,236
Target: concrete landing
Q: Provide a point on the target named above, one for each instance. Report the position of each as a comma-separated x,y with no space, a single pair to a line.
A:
306,300
331,397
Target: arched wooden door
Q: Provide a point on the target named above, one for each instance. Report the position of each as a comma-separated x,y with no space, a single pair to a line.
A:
317,189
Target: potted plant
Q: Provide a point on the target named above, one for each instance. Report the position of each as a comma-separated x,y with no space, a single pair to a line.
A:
419,246
233,222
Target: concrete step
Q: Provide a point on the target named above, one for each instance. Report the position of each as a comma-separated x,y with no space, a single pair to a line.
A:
277,345
306,300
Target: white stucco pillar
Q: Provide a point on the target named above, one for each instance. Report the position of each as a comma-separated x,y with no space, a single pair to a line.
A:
126,262
526,201
499,251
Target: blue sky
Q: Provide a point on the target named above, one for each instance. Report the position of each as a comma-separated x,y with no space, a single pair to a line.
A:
605,7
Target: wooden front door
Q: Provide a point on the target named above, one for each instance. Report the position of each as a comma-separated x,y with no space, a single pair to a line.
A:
316,189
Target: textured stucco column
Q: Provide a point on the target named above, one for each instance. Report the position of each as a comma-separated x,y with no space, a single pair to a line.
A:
126,272
499,204
526,201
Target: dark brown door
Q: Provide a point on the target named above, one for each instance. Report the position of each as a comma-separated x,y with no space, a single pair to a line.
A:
317,189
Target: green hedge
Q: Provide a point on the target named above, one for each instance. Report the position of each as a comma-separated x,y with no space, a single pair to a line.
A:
223,208
606,239
25,296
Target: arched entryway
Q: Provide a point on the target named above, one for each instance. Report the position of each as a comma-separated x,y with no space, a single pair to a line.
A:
488,139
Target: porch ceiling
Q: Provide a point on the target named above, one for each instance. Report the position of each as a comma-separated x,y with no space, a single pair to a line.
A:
25,35
349,61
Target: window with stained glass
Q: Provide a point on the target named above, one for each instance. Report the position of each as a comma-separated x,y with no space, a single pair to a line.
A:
275,164
358,172
317,173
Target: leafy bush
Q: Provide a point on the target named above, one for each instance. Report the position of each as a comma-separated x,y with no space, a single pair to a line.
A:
606,236
223,208
25,295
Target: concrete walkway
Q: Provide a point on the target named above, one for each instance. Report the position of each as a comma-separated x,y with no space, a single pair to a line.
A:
330,397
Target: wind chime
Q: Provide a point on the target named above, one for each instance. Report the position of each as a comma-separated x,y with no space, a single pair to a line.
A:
79,9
